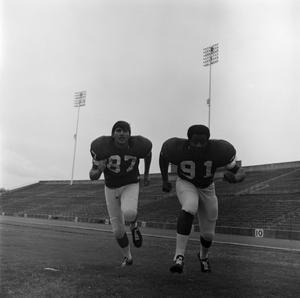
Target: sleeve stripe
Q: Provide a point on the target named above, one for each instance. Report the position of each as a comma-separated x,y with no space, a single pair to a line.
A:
232,164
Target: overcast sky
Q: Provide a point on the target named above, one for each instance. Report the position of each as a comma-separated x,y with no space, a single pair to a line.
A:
141,61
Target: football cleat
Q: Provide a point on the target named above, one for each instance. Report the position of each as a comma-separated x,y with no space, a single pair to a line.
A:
126,262
137,237
178,265
205,265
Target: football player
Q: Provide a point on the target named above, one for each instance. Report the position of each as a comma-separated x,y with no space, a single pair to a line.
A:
197,159
117,156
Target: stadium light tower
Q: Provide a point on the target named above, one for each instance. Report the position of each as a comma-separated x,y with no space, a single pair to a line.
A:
79,101
210,56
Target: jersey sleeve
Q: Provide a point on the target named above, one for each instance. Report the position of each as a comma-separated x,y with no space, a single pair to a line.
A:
141,146
99,148
169,150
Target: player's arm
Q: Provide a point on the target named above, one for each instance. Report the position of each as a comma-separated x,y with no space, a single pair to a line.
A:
98,166
143,148
234,173
164,167
147,161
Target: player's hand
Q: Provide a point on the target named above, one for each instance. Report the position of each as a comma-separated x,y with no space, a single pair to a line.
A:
167,186
95,173
97,169
230,177
146,180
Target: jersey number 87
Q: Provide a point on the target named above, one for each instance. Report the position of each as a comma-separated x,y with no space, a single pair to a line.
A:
114,163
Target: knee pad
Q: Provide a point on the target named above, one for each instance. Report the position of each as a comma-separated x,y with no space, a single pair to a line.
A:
184,222
123,241
205,243
130,215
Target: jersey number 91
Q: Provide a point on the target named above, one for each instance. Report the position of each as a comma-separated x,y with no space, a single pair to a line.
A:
188,168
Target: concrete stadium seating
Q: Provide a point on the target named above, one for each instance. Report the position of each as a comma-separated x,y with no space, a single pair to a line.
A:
268,199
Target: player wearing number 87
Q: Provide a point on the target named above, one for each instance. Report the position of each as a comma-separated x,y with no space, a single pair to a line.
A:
117,156
197,158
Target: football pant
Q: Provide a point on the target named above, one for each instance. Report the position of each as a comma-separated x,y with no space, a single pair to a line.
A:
122,205
200,201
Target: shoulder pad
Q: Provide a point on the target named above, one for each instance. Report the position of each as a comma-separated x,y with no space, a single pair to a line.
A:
222,151
100,147
140,145
171,149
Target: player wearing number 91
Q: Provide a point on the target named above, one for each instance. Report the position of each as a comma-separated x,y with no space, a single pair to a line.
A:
197,159
117,156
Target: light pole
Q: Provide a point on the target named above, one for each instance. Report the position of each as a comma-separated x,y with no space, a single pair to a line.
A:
210,56
79,101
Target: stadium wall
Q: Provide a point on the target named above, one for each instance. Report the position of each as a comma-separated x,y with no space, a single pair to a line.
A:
273,166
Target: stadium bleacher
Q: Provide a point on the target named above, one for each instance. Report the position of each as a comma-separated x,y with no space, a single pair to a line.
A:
268,199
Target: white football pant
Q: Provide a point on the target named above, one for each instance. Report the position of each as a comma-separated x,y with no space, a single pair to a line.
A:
121,205
200,201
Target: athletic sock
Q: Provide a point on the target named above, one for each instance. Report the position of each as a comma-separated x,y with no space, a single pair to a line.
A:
181,242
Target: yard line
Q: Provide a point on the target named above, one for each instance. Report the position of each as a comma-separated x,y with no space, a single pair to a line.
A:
257,245
229,243
158,235
192,239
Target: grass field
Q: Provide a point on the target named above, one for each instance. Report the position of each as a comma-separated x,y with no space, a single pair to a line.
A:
49,261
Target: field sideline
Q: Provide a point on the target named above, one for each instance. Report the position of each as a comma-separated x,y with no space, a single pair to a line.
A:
48,258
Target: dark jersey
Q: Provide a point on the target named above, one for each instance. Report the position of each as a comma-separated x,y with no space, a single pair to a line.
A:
122,166
195,164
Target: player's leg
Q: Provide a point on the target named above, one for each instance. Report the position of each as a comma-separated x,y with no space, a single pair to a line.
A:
118,223
207,216
129,205
188,198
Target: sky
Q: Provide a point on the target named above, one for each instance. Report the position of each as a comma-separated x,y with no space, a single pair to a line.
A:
142,61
